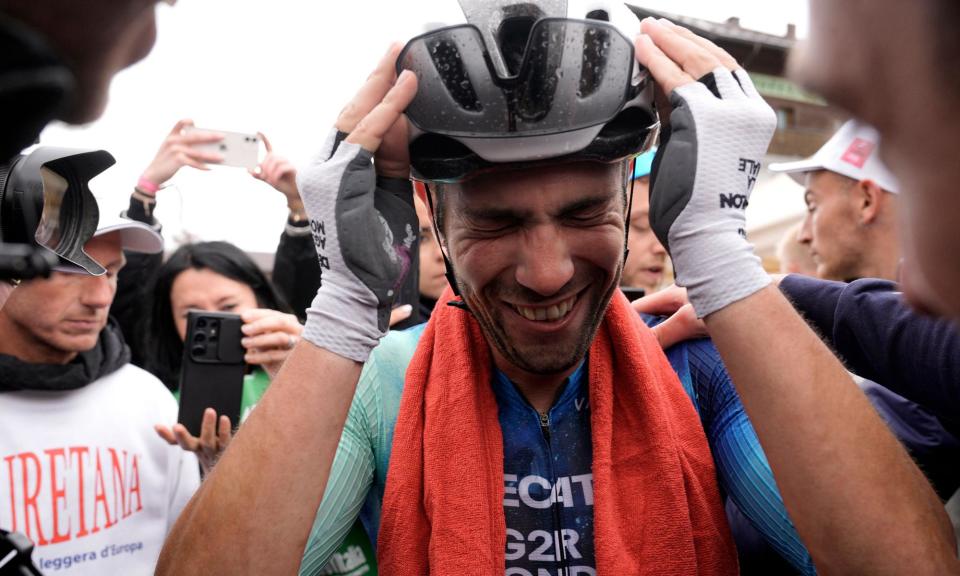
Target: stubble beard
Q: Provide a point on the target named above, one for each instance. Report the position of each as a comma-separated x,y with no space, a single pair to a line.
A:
544,357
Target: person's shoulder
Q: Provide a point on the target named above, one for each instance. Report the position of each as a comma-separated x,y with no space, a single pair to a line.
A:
143,387
396,349
132,373
385,371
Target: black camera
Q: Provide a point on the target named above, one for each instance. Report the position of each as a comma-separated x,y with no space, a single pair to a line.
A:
15,552
47,212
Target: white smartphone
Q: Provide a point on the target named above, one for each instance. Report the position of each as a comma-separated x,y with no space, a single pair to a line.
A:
238,149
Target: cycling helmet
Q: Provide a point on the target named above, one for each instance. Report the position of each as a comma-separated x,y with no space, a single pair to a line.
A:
526,82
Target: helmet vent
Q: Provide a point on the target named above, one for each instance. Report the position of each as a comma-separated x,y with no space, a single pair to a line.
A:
512,39
598,15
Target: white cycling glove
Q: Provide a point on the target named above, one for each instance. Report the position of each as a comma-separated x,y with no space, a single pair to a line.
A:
364,228
706,166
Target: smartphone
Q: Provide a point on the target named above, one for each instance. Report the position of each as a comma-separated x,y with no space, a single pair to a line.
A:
238,149
211,375
633,293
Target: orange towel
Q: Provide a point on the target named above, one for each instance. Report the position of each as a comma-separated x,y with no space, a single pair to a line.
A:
657,508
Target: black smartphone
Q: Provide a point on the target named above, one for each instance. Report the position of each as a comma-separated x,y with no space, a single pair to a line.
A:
633,293
211,375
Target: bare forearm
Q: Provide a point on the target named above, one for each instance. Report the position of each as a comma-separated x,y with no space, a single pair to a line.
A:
253,514
852,491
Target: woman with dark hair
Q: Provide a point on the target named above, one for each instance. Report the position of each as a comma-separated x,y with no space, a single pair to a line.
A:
217,277
214,277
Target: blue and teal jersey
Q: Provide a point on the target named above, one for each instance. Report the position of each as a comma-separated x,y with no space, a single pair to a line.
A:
548,484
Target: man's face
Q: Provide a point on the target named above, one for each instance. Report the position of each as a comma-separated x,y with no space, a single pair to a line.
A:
433,279
96,38
899,75
645,263
537,254
58,317
831,226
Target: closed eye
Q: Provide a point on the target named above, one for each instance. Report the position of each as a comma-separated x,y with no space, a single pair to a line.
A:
590,212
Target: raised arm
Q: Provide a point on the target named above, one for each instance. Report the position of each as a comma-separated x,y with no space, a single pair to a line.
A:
857,500
254,512
130,305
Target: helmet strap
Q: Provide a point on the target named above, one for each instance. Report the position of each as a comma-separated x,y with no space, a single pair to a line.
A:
448,267
626,234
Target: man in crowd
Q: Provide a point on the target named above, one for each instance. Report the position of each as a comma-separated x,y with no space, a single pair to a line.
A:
647,259
536,252
851,230
851,223
84,475
795,257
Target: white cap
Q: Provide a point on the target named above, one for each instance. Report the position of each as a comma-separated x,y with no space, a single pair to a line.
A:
852,152
135,236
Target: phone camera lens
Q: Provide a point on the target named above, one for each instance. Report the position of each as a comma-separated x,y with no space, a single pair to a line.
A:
198,350
201,323
199,338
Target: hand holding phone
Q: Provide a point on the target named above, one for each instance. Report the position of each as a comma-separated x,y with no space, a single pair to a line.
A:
211,375
237,148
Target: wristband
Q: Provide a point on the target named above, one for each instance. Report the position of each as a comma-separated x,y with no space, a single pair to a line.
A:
148,186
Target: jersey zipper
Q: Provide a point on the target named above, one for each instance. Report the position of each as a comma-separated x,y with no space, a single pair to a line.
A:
555,506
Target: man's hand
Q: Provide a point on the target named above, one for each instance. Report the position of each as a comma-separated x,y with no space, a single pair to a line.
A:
178,151
706,165
681,324
214,438
359,199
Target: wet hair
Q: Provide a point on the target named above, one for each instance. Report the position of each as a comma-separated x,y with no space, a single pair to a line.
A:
164,349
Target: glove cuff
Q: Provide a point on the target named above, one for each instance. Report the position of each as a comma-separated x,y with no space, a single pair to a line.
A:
717,271
342,325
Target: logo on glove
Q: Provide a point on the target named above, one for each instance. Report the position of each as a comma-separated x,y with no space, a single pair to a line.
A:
752,169
319,232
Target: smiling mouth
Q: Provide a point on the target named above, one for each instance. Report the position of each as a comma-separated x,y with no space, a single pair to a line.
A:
547,313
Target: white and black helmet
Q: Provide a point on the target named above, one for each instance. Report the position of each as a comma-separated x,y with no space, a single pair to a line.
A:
520,82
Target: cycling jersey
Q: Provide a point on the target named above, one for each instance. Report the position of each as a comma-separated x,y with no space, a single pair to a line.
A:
548,487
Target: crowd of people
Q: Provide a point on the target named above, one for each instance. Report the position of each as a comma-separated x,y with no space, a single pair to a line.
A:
468,357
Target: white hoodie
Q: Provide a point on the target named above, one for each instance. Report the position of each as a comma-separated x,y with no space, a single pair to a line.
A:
86,478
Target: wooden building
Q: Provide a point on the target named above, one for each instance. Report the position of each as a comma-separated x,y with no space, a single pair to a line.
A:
804,120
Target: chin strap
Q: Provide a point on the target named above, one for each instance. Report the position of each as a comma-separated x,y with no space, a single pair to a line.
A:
447,265
626,234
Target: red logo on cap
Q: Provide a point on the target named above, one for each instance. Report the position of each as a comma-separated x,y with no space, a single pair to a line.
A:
858,152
